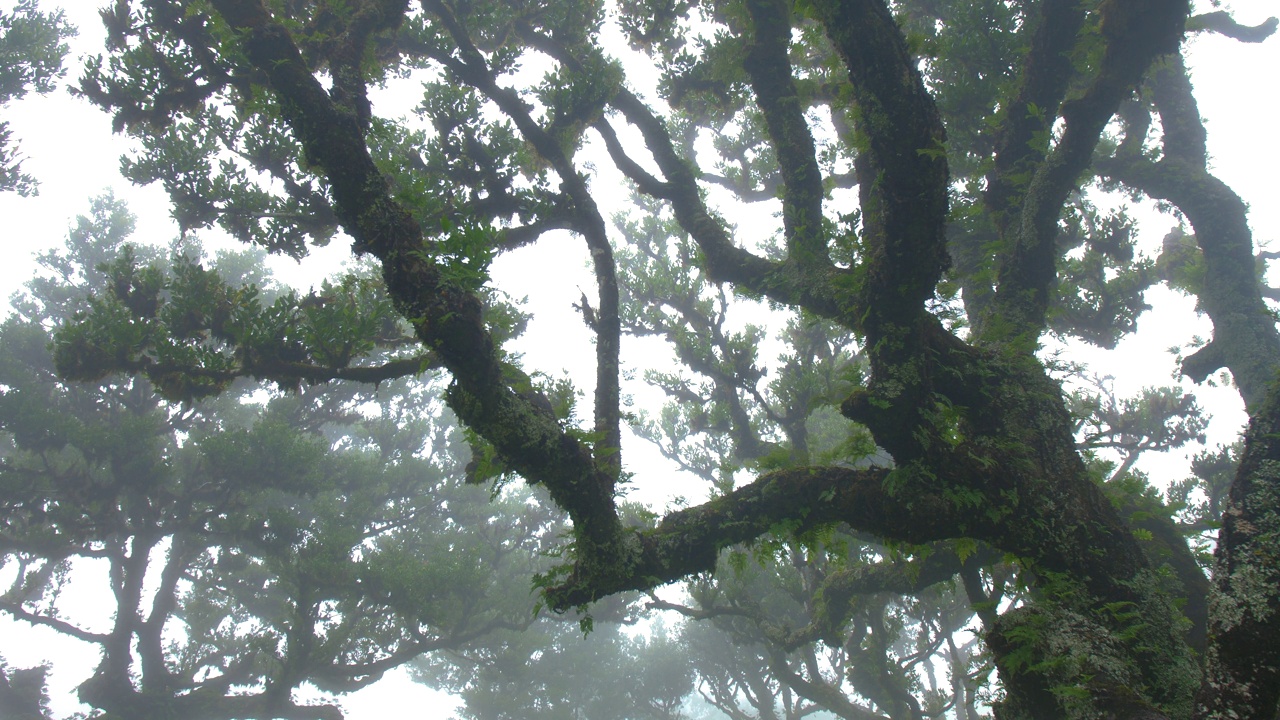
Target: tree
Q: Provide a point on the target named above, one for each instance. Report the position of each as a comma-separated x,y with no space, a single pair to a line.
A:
247,543
31,54
935,168
551,670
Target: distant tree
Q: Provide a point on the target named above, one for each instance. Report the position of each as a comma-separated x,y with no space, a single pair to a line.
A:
552,670
933,168
253,541
31,55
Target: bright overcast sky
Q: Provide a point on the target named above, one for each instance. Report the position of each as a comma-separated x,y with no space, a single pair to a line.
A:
70,149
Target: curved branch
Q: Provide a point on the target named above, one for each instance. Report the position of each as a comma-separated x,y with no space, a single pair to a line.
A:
446,316
62,626
792,500
1222,23
519,236
1245,337
347,678
768,189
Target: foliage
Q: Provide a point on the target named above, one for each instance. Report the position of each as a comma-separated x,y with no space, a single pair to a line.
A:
853,223
550,670
279,533
31,54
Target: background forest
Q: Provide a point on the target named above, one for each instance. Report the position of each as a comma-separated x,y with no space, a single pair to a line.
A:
816,422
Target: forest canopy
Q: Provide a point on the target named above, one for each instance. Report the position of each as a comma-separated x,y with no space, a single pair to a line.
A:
905,506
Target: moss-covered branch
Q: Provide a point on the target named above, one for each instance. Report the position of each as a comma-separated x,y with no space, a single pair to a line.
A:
775,89
1245,339
446,316
1135,34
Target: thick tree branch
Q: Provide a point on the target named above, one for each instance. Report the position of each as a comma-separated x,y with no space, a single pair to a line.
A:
1040,650
1022,137
1136,32
1245,337
1184,134
1046,72
775,89
447,317
156,676
126,702
688,541
902,173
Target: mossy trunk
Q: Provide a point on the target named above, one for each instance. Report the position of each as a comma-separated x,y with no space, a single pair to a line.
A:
1242,668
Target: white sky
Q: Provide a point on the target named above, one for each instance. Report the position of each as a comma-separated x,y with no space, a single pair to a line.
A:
70,149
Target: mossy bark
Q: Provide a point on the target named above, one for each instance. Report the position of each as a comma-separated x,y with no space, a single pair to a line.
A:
1242,669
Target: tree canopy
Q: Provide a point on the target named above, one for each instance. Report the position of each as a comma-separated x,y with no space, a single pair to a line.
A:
908,196
31,55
